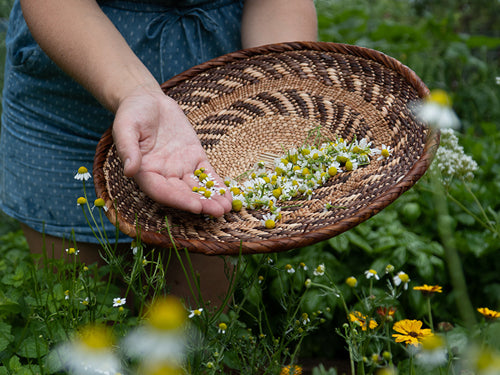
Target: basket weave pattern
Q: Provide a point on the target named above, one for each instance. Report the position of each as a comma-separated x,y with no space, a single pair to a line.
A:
265,101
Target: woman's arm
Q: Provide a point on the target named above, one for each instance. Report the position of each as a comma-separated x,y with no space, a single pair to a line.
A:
79,37
274,21
153,137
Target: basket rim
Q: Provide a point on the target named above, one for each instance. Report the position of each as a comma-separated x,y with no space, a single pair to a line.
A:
304,238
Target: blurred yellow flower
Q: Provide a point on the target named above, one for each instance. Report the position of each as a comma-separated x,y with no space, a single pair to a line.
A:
428,290
489,314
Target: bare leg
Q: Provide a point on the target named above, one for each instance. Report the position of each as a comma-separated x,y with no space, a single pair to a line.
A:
212,278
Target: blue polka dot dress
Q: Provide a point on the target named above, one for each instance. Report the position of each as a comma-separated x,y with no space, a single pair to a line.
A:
51,125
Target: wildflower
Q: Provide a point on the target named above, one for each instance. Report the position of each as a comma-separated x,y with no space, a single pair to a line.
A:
90,352
482,360
303,266
305,318
410,332
66,294
72,251
451,161
261,279
386,313
436,110
372,273
433,352
351,281
291,370
401,277
289,268
269,220
117,302
81,201
85,302
489,314
384,152
222,328
498,80
429,290
161,336
363,321
196,312
82,174
100,203
389,268
308,283
320,270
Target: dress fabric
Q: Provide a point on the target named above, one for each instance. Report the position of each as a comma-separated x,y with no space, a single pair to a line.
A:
51,125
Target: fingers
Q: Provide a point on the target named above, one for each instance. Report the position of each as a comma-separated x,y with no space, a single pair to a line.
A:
127,145
177,193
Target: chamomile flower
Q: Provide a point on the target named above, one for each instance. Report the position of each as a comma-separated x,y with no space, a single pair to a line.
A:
436,110
81,201
371,273
401,278
384,152
222,328
351,281
162,335
117,302
269,220
72,251
83,174
320,270
289,268
195,312
89,352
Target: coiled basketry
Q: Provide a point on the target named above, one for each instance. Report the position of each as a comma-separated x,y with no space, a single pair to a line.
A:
262,101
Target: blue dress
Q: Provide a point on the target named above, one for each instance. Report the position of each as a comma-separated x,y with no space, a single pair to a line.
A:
51,125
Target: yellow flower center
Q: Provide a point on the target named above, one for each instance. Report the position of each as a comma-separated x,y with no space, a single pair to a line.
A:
332,171
440,97
81,200
237,205
385,153
96,337
167,314
99,202
351,281
404,277
270,224
82,170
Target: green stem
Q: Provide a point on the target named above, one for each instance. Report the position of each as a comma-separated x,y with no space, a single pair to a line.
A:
429,310
470,213
455,269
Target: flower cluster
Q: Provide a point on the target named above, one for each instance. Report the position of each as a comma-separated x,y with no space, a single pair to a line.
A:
208,187
451,161
298,173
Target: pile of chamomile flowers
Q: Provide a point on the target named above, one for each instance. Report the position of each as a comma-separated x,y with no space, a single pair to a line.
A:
295,175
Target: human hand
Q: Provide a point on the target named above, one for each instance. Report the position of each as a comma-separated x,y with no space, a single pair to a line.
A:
160,149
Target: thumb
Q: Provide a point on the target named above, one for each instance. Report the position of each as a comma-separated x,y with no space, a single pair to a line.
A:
127,146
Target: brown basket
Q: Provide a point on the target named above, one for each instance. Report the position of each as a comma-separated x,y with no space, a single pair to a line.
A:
265,100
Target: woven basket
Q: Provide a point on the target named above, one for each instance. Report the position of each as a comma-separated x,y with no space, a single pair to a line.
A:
264,100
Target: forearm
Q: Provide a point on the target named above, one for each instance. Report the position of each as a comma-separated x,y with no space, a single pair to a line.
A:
80,38
274,21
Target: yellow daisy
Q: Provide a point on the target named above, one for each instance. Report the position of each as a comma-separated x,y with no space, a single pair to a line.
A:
410,332
489,314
